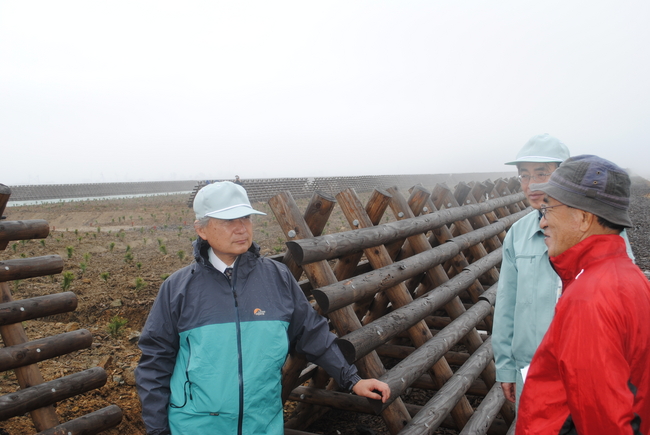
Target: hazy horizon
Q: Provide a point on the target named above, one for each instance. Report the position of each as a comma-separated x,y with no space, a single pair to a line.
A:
94,92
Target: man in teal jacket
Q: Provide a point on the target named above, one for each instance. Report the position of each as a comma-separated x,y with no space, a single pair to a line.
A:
220,329
528,286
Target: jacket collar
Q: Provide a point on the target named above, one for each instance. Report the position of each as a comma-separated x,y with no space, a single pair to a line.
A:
200,249
572,262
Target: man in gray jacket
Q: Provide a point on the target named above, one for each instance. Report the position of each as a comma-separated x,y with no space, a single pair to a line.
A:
220,329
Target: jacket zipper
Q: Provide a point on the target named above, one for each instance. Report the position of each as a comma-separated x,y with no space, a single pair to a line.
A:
240,370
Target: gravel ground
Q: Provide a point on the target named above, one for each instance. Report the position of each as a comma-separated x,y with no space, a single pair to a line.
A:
639,234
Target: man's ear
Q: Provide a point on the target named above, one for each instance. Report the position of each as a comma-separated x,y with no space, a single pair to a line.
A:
200,231
587,220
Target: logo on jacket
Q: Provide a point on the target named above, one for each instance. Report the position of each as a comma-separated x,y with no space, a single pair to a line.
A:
259,312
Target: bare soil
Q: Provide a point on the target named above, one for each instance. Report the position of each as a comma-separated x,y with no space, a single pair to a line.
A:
143,239
135,243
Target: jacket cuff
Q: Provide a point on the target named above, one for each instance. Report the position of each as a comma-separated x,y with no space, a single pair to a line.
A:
353,381
506,375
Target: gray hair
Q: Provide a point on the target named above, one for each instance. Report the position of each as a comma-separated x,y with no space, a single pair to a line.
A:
202,223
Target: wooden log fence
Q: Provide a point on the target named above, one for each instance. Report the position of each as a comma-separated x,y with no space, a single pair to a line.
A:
417,293
21,355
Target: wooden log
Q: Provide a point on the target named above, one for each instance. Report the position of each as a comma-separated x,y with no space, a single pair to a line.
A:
344,320
511,429
345,402
479,221
478,387
399,296
45,348
442,235
336,245
5,193
396,351
22,268
317,213
501,188
364,340
343,293
433,413
486,412
48,393
89,424
479,193
514,185
443,195
493,193
404,373
375,209
23,230
332,399
14,334
39,306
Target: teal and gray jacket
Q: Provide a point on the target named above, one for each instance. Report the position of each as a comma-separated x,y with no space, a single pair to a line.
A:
213,350
525,303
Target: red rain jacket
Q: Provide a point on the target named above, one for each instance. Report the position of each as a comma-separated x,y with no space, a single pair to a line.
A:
591,373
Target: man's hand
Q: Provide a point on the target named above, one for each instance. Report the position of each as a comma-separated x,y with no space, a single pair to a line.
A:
372,389
510,391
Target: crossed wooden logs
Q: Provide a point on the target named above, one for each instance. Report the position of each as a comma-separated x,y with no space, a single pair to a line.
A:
384,287
21,355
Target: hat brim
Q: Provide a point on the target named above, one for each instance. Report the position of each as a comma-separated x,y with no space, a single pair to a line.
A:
535,159
234,213
591,205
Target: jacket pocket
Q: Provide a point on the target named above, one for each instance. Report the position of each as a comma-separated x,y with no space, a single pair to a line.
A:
212,370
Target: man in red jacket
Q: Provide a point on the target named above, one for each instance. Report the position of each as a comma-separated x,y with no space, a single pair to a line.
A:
591,373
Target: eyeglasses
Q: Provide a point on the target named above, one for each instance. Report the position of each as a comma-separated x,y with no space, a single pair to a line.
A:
545,208
537,177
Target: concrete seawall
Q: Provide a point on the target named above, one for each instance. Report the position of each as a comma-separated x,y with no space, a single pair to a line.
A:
259,189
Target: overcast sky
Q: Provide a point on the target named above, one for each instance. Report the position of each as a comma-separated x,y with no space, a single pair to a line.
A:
103,91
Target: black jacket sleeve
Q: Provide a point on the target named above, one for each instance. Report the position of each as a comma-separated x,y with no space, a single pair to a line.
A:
159,345
311,335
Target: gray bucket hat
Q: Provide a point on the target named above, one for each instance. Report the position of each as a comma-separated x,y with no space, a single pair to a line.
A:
542,148
592,184
223,200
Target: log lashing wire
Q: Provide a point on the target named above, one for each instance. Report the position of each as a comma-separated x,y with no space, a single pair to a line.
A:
335,245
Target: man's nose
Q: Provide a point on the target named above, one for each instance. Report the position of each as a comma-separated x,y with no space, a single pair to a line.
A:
543,223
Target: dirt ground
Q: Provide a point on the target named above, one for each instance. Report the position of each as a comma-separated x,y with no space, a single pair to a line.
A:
120,251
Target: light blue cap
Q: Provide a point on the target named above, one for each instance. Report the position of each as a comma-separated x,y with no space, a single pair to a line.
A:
542,148
223,200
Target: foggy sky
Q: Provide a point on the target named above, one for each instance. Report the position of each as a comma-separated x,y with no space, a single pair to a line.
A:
95,91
